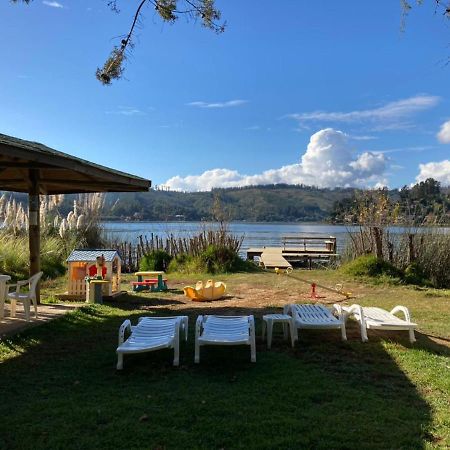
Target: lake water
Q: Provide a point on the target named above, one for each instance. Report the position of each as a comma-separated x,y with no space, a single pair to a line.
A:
255,234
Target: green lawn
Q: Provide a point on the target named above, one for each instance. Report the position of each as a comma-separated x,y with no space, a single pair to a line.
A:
60,388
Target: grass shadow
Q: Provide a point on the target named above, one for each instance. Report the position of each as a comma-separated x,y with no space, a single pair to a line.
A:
63,384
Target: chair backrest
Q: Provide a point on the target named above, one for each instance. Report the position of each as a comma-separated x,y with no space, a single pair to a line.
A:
313,313
231,323
33,281
156,327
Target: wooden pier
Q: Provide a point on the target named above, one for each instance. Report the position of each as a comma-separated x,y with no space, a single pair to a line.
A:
296,250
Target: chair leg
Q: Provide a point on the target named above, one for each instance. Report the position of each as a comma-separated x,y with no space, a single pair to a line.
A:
412,337
197,352
186,329
13,308
119,361
343,332
2,309
176,353
269,334
364,337
35,308
252,349
26,307
293,332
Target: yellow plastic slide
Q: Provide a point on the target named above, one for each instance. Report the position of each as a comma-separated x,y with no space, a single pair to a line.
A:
205,292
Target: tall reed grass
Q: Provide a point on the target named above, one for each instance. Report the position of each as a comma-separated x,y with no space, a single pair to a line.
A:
421,253
60,234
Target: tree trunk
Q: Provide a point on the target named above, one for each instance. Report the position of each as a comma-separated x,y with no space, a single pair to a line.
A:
411,253
378,238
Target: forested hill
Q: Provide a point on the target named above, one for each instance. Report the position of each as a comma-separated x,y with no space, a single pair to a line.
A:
424,201
259,203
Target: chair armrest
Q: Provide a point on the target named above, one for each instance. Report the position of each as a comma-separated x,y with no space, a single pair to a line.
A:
125,325
251,325
9,286
339,311
184,323
19,284
198,326
177,325
351,310
402,309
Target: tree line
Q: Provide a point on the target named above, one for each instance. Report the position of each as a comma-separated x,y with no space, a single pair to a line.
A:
426,202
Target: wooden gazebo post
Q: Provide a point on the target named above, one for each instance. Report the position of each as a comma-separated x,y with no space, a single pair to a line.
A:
34,226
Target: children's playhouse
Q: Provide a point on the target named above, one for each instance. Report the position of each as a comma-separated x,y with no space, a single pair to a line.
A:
93,263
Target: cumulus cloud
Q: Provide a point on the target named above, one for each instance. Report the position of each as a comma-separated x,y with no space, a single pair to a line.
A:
327,162
389,116
228,104
369,162
440,171
52,4
444,133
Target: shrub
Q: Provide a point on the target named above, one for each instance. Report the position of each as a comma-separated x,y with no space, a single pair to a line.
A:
184,263
414,274
156,260
371,266
219,259
214,260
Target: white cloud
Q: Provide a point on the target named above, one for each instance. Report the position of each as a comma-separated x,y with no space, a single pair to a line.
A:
444,133
126,111
327,162
363,137
393,115
369,162
440,171
53,4
227,104
415,149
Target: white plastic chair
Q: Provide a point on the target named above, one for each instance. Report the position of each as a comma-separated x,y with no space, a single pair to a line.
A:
25,297
315,317
152,333
225,330
379,319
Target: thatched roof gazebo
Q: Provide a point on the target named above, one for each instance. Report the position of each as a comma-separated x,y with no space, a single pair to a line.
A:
35,169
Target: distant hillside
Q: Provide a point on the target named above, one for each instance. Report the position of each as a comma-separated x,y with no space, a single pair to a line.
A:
271,203
260,203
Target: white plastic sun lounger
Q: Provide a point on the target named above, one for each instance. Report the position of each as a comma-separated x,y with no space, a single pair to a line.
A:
152,333
316,317
225,330
379,319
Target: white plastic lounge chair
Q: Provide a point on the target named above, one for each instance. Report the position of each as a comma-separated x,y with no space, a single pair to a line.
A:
380,319
225,330
152,333
315,317
25,297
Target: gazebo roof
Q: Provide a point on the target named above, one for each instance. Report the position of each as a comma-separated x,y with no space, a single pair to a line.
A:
58,172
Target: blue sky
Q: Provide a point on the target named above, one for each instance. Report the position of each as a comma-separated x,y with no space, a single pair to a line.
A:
326,93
